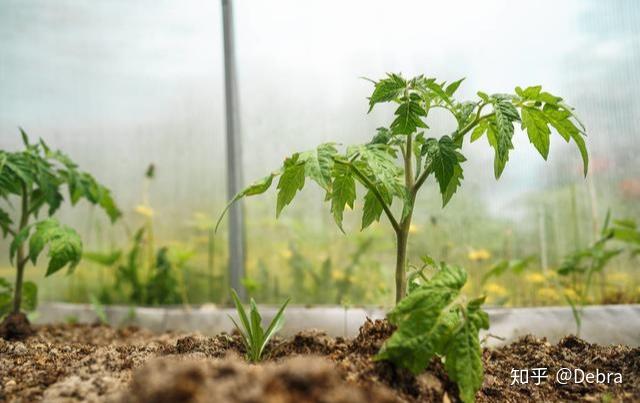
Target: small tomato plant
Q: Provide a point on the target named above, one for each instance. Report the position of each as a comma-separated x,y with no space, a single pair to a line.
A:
395,164
36,177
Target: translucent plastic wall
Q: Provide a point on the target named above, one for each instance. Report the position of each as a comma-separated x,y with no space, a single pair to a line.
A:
120,85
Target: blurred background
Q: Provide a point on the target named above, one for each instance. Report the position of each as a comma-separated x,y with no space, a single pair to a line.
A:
121,86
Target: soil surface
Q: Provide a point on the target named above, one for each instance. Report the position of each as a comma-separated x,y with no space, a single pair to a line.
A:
74,363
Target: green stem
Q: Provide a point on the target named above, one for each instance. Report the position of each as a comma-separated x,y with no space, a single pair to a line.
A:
21,260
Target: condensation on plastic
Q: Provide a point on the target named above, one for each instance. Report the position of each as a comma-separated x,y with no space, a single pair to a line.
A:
609,324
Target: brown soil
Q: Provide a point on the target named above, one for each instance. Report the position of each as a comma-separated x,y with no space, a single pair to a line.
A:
15,326
73,363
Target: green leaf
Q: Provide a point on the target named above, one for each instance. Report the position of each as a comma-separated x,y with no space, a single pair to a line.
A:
463,361
65,245
480,130
502,131
535,122
104,259
29,296
291,180
372,209
408,117
343,194
275,326
255,188
387,90
382,136
444,161
318,164
5,222
254,338
423,324
380,163
453,87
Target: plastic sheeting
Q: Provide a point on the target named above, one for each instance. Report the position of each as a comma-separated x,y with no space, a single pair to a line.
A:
610,324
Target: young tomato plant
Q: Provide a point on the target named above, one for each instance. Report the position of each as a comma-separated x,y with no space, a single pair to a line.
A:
435,320
395,164
254,337
35,177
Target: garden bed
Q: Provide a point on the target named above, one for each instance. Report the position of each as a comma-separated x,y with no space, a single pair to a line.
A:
68,363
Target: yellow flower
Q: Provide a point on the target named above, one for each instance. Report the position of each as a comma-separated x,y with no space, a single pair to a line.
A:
286,253
477,255
534,278
548,293
337,275
618,277
570,293
414,229
144,210
495,289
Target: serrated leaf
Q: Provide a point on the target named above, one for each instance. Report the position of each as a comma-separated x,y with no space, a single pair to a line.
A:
382,136
291,181
453,87
444,161
387,90
463,357
535,123
408,117
372,209
560,119
65,245
502,131
479,130
343,193
319,164
5,222
423,324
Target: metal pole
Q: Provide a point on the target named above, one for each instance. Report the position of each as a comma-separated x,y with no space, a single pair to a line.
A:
234,155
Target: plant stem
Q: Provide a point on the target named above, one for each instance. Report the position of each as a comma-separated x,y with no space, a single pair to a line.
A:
401,259
21,261
402,233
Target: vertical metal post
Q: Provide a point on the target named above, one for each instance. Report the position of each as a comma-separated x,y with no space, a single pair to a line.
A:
234,154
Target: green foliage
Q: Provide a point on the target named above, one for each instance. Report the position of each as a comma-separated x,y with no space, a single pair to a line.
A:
138,281
29,296
516,266
65,245
37,176
373,165
434,321
254,337
583,264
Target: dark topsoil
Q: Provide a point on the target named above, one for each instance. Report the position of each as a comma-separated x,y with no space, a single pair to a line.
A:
71,363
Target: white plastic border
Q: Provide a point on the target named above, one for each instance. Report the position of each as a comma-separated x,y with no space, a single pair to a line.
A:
607,324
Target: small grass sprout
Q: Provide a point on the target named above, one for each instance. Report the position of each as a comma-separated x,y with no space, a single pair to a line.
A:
254,337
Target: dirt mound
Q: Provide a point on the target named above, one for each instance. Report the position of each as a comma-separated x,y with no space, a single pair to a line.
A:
294,380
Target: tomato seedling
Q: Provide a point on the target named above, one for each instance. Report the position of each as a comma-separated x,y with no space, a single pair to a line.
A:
395,164
36,176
